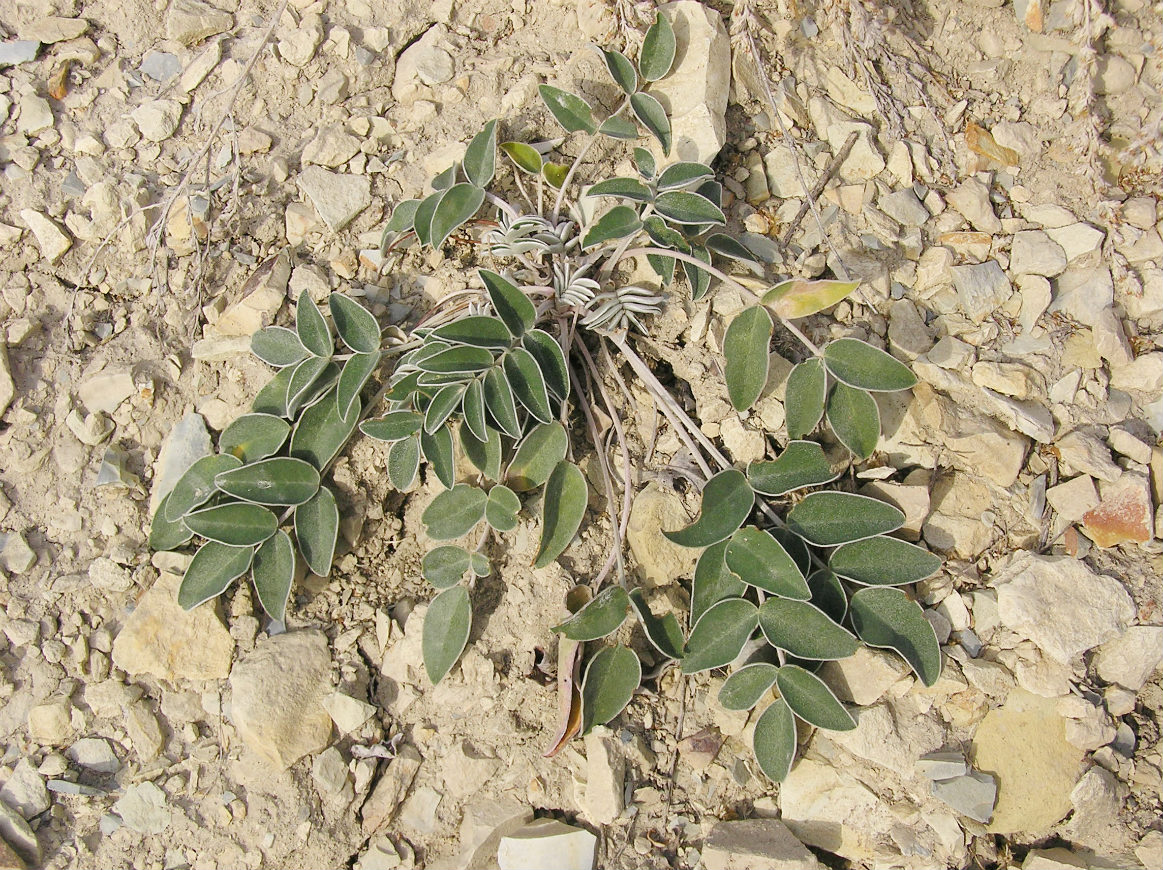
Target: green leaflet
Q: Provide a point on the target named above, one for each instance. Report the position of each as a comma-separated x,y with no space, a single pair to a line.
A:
166,535
236,524
277,346
811,700
308,379
699,279
457,360
196,485
726,503
563,508
393,426
627,188
354,323
653,117
570,110
713,581
402,220
774,741
454,512
644,163
539,453
438,451
804,630
321,433
761,561
445,632
828,594
801,464
621,70
472,409
422,221
885,617
719,635
528,384
252,437
352,377
684,207
317,531
804,401
444,566
664,633
745,348
746,687
272,398
617,127
502,508
480,158
609,683
602,616
479,331
214,567
511,305
799,298
863,366
550,359
312,329
446,400
485,455
499,402
280,480
855,419
658,49
404,462
524,157
683,174
618,223
829,518
555,173
882,561
273,571
459,203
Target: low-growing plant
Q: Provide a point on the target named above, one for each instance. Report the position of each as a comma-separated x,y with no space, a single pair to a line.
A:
503,374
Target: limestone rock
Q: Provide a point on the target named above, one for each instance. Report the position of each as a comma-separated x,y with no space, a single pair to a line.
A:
971,198
547,843
891,735
337,197
755,844
422,64
187,442
483,826
1073,498
1060,604
466,767
604,799
982,288
1084,293
1023,745
297,44
7,385
143,808
346,712
53,241
162,639
9,860
660,560
972,794
158,119
863,678
53,29
380,807
16,836
51,723
696,90
278,691
258,308
1131,658
1124,515
331,147
24,790
191,21
1035,253
1086,453
94,753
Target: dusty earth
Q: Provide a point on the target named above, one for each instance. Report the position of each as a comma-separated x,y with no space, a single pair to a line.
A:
153,164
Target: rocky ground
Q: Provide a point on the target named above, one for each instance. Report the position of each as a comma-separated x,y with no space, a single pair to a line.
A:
167,187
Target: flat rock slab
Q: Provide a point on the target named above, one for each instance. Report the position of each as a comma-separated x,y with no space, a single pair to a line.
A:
278,692
162,639
756,844
1023,746
337,197
547,843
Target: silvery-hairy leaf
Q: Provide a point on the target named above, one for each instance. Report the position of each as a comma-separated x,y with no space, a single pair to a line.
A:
562,510
664,633
626,188
609,683
273,571
685,207
454,512
352,377
502,508
801,464
317,530
237,524
511,305
811,700
472,408
354,323
601,617
214,567
404,462
307,378
727,501
462,359
438,451
272,398
760,560
700,279
680,175
401,221
458,204
883,561
774,740
445,179
550,359
166,535
570,110
745,349
252,437
446,400
524,157
196,485
393,426
746,687
321,433
312,329
885,617
483,453
804,400
527,382
653,117
658,49
663,235
537,456
280,480
721,243
799,298
829,518
499,402
644,163
621,70
480,158
445,632
422,221
618,223
714,581
617,127
719,635
828,594
804,631
864,367
277,346
854,419
478,331
445,566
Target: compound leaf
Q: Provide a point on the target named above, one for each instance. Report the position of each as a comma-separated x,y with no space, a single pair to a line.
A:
609,683
602,616
273,571
719,635
885,617
563,508
745,348
830,518
865,367
726,503
445,633
502,508
214,567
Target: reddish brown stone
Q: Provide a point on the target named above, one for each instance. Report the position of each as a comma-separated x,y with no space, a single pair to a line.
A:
1123,515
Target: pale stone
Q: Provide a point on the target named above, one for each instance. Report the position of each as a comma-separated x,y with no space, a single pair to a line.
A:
954,524
346,712
51,723
53,241
1010,379
297,45
1077,240
144,731
187,442
942,765
257,309
755,844
484,824
695,91
1122,441
35,114
1060,604
106,390
829,809
782,178
951,353
864,677
1131,658
9,860
385,799
911,499
1110,339
278,691
604,797
660,560
1086,453
847,93
337,197
547,843
200,67
1143,374
908,336
1073,498
24,790
904,207
466,767
1023,745
331,776
892,736
982,288
162,639
864,161
972,795
143,808
1035,253
971,198
1084,294
94,753
331,147
423,64
158,119
191,21
17,837
1036,297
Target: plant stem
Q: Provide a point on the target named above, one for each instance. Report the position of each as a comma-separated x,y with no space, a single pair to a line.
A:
594,137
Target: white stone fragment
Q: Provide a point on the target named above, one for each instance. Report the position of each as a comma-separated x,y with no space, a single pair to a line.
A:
53,241
547,843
